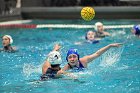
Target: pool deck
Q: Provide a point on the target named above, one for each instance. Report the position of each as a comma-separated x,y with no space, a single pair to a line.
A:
74,13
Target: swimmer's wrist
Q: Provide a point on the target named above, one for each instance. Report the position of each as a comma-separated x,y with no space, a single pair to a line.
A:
57,47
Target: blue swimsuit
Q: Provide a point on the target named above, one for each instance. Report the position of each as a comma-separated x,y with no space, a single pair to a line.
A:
92,42
75,68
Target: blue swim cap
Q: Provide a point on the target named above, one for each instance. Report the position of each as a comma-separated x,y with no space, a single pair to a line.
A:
137,29
72,51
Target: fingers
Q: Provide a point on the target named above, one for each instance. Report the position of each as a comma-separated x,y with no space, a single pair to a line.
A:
120,43
116,44
57,47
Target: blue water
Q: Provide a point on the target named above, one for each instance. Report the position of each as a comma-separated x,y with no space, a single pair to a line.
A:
116,71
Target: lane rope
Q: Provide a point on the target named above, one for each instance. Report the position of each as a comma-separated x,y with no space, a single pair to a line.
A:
76,26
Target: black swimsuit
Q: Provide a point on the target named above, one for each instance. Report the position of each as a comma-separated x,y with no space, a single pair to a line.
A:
92,42
8,49
50,73
99,35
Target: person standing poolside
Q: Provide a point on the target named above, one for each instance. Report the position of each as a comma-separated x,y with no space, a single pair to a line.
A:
99,28
7,44
136,30
77,63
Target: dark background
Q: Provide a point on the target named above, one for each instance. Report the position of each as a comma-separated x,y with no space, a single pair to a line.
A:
29,9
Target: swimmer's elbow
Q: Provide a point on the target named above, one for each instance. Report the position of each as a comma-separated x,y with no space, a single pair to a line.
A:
97,54
92,57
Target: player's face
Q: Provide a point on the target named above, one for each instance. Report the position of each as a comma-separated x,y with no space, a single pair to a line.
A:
90,35
100,28
133,31
72,59
5,41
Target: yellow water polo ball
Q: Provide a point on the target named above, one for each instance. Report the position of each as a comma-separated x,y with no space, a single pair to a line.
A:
87,13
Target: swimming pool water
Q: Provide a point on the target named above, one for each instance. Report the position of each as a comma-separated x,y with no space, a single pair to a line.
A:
116,71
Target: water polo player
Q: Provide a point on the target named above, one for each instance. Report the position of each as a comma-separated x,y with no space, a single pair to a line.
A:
7,44
90,37
99,28
75,62
136,30
52,65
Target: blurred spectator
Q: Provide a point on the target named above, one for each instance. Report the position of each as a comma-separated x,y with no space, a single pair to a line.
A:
18,4
7,6
2,6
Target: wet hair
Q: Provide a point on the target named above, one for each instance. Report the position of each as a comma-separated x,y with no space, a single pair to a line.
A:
87,33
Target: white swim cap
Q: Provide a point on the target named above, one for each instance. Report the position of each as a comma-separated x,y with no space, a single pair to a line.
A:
98,24
11,40
54,58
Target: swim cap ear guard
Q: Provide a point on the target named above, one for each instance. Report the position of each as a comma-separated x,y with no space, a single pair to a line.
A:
72,51
54,58
137,29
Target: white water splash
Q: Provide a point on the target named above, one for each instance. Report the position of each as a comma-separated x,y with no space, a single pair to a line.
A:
29,69
118,32
84,73
111,57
